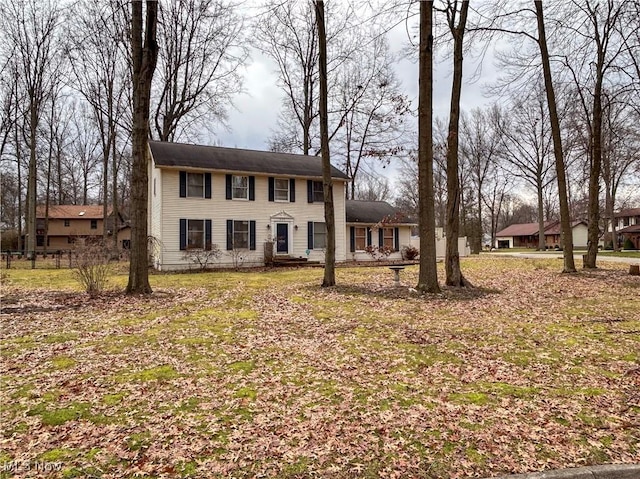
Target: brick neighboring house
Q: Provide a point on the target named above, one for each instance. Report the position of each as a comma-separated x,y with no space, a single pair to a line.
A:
525,235
627,223
69,223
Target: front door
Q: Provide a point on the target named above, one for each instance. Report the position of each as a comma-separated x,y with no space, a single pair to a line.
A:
282,238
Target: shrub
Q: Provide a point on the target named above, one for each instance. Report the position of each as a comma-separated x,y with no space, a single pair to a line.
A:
410,253
202,257
628,244
91,268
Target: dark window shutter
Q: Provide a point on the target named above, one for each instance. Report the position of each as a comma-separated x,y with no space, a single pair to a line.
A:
292,190
352,239
252,235
272,187
252,188
380,237
207,185
183,184
309,191
310,235
396,239
207,235
229,235
183,234
368,236
228,186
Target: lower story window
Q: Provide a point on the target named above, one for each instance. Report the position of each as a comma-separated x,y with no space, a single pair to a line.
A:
387,238
319,235
195,234
241,234
361,238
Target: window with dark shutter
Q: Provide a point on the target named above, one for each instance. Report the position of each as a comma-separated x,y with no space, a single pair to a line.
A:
292,190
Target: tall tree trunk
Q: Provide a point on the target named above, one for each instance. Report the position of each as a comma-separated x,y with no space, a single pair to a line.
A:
593,228
144,57
114,192
19,168
453,272
565,219
31,184
329,213
541,241
428,275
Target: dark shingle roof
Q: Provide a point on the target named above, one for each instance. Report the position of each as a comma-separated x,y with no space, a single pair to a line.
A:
372,212
235,159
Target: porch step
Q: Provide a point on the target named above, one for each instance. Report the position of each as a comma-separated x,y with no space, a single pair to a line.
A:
293,261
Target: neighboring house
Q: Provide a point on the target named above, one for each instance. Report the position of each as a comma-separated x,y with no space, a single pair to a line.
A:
627,222
239,200
68,224
525,235
372,224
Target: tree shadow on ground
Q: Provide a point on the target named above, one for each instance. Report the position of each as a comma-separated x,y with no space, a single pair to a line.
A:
407,292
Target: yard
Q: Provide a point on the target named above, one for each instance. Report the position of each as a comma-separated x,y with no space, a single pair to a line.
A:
265,374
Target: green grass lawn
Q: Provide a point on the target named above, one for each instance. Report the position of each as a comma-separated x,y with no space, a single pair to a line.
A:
266,374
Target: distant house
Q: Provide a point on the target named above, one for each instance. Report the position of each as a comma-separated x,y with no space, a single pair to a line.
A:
375,224
627,222
68,224
525,235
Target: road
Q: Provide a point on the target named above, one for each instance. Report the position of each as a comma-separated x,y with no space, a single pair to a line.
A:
577,257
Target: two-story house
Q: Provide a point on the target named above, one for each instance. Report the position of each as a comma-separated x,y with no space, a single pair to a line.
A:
238,200
63,225
627,223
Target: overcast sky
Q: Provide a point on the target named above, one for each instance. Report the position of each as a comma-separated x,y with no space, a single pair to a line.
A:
257,110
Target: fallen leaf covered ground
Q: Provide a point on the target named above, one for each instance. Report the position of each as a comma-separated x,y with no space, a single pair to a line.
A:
266,374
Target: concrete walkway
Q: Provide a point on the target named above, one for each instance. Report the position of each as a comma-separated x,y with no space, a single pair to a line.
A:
577,257
613,471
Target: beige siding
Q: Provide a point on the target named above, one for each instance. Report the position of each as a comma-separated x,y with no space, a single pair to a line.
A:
218,209
155,215
580,236
404,233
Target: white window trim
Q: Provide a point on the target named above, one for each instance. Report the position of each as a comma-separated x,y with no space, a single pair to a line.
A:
319,248
275,189
187,185
204,239
355,238
233,188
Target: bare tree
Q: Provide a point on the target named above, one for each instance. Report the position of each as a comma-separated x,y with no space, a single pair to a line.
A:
480,145
329,213
372,113
30,28
594,56
144,55
99,75
565,219
527,147
202,46
456,14
620,153
428,274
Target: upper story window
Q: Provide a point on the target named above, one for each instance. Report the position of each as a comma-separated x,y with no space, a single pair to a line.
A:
67,222
94,224
240,187
194,185
318,192
281,189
